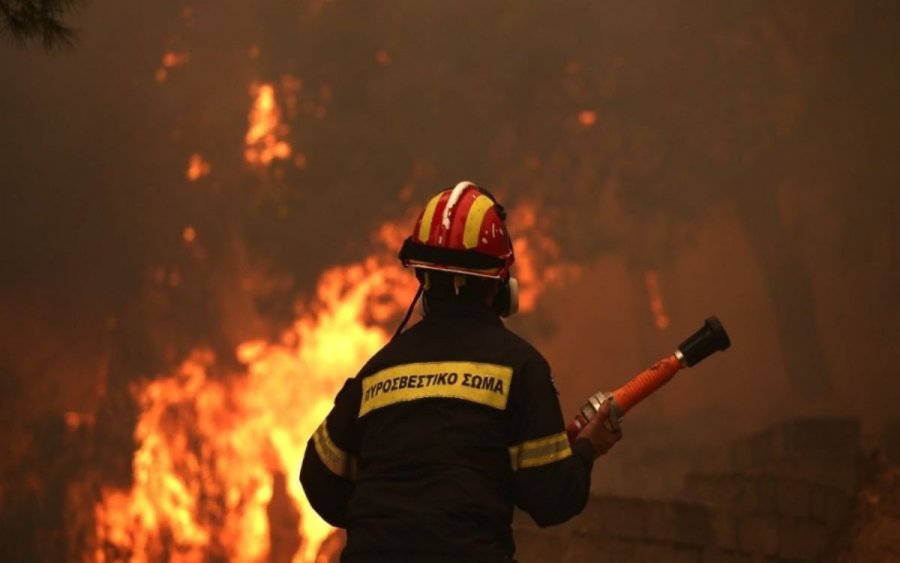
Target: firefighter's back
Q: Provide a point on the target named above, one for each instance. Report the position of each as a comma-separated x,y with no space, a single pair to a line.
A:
433,468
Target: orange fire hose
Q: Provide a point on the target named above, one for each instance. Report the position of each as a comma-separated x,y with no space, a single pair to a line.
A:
646,382
710,338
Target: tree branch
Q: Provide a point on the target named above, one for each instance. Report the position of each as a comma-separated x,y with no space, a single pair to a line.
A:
23,21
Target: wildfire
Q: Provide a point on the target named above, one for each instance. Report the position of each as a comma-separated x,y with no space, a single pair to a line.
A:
215,472
265,136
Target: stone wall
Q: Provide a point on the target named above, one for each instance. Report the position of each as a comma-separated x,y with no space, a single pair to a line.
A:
781,495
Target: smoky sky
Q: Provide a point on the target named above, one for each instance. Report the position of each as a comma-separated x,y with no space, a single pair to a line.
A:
766,126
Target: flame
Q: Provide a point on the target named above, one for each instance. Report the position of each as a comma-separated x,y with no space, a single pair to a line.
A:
657,307
198,167
208,446
264,139
538,261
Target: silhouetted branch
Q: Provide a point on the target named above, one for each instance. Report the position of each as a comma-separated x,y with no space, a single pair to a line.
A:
26,20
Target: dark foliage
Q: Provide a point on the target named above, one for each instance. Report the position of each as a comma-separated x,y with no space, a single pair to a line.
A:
24,21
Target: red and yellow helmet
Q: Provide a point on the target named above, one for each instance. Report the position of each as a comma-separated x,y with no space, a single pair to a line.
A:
462,230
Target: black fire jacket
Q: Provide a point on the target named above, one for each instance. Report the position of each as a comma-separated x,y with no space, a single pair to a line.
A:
427,449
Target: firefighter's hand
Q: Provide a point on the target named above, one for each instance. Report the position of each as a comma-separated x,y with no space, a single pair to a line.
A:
602,438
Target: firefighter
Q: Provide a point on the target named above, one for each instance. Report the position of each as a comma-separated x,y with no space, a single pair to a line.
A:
455,420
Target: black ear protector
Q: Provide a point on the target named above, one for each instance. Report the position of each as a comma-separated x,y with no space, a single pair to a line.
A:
506,304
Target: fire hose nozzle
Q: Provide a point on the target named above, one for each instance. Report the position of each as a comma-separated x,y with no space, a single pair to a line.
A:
710,338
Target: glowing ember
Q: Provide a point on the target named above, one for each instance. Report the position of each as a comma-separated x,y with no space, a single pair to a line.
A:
264,139
382,57
77,419
170,60
291,90
189,234
587,118
651,278
197,168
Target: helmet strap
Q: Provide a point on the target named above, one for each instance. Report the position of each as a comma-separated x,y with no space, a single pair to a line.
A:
409,311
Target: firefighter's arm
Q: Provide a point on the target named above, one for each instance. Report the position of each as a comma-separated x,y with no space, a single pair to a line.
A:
329,464
552,479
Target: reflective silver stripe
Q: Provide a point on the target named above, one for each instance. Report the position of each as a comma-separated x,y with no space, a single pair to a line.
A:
335,459
534,453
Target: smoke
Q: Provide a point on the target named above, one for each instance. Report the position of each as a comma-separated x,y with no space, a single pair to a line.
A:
743,155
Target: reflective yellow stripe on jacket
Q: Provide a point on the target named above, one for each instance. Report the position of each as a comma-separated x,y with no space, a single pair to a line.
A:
335,459
534,453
